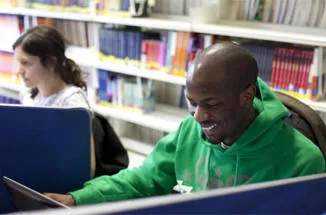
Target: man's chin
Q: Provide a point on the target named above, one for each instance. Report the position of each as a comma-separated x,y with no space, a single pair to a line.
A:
213,140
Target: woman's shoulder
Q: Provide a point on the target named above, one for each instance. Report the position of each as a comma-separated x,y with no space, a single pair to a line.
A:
75,97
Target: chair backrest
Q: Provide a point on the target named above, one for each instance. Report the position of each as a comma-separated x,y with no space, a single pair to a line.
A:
306,120
110,155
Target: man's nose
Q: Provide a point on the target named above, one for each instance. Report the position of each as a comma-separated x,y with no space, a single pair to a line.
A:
200,114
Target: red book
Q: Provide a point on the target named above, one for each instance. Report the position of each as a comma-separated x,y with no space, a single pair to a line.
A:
307,66
175,59
300,76
184,52
282,71
288,68
274,68
295,68
149,53
144,52
156,53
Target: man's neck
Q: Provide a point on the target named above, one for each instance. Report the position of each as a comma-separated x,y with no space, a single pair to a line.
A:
241,128
51,86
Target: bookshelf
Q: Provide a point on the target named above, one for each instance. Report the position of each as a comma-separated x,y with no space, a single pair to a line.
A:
241,29
87,57
166,118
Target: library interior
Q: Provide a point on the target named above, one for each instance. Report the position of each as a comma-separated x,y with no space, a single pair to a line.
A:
163,106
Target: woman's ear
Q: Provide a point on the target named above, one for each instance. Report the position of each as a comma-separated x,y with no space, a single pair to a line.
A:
50,63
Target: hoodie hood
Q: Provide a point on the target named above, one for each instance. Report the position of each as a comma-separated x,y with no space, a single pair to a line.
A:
270,113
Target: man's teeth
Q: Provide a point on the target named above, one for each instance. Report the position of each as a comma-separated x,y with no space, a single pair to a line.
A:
209,128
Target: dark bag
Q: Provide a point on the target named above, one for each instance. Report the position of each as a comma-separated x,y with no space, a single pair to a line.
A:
111,156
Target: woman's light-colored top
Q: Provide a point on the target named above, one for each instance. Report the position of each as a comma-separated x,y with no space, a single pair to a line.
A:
69,97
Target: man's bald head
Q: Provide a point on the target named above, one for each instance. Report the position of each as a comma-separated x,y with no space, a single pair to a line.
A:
225,64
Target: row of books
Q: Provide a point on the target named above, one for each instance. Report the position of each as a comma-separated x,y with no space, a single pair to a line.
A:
292,70
126,92
103,7
288,69
76,33
120,44
113,7
291,12
12,3
80,6
173,52
167,51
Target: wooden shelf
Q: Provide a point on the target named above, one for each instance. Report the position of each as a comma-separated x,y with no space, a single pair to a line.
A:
165,118
265,31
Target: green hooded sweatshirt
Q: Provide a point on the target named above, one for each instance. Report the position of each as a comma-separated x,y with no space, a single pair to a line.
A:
267,150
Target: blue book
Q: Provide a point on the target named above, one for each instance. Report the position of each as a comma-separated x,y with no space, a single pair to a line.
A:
110,41
130,44
133,45
115,43
118,45
125,44
138,45
102,89
102,40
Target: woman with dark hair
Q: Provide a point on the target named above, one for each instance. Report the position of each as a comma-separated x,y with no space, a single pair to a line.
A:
52,79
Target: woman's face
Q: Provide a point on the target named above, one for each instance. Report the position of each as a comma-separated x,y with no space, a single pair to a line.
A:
30,68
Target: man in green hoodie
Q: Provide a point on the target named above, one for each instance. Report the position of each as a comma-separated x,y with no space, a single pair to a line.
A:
235,135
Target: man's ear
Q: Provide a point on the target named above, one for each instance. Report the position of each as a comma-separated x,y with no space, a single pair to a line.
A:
248,95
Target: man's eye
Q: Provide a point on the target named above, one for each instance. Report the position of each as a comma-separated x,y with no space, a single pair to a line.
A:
212,105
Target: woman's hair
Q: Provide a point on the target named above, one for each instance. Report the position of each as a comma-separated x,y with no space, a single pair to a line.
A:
47,43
